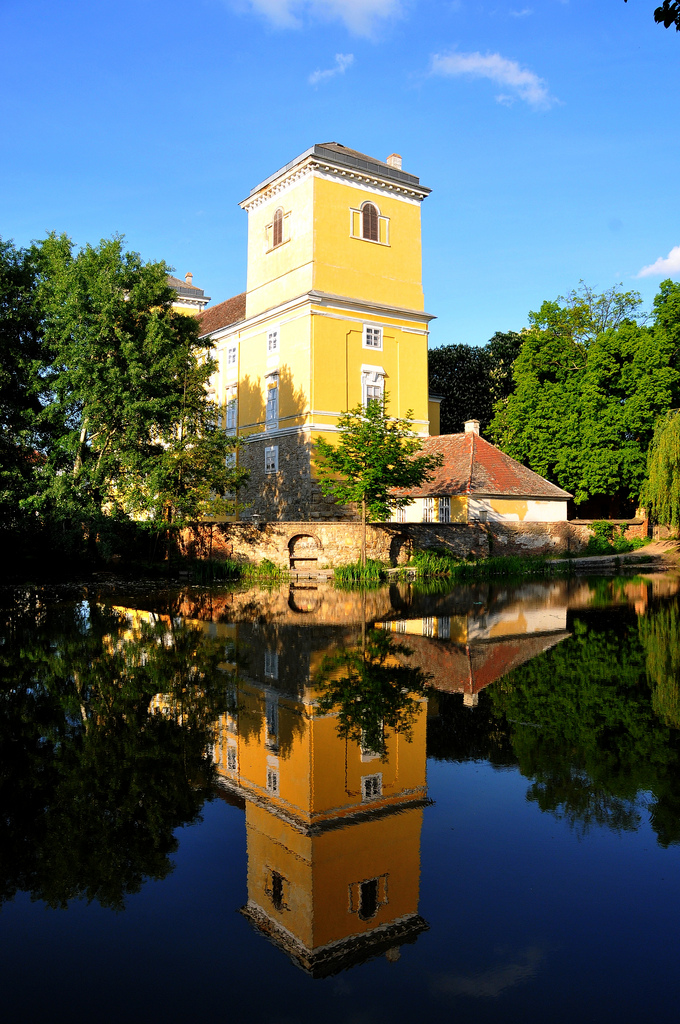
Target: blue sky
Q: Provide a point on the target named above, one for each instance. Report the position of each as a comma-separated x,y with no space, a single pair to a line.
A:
547,129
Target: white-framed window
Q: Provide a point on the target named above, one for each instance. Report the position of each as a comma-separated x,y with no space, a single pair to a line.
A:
272,412
231,355
230,460
231,421
400,515
428,627
273,781
278,230
444,510
400,626
367,751
271,459
271,664
277,227
369,224
371,786
366,897
373,336
428,510
444,627
232,758
372,387
273,341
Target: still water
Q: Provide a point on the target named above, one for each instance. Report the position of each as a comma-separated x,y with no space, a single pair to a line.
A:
302,804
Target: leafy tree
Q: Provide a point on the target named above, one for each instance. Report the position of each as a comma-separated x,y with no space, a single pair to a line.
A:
371,689
586,731
667,14
20,355
374,454
589,383
104,738
125,392
472,379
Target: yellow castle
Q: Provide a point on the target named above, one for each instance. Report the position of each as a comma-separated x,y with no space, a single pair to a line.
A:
333,316
333,829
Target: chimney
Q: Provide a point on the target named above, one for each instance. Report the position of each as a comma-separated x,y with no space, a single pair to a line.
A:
189,278
472,426
394,160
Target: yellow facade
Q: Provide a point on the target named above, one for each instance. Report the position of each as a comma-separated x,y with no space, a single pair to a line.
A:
332,318
333,859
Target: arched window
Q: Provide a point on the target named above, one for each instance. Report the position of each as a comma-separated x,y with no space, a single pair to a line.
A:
278,227
369,222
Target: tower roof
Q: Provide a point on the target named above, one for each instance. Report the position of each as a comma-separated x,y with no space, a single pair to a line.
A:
340,157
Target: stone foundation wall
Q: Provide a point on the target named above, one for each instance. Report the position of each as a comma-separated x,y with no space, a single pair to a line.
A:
308,545
291,494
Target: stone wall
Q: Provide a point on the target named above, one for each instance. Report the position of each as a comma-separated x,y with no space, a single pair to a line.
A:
632,529
315,545
291,494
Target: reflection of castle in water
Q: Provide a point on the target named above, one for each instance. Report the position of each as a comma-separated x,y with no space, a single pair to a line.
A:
468,649
333,830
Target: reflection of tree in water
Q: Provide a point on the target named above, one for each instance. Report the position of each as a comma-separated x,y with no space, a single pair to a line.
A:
371,690
585,727
96,773
660,636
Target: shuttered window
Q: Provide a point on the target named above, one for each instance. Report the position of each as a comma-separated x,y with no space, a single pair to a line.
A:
369,222
277,232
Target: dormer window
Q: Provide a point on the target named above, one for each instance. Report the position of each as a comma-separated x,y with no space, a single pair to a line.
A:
277,229
369,223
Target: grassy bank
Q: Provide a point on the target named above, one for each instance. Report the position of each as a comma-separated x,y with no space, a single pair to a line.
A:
432,564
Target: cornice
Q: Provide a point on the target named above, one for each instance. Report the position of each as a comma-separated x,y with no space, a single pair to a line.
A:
325,300
347,175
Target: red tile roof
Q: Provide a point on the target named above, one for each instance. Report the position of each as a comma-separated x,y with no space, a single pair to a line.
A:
222,315
473,466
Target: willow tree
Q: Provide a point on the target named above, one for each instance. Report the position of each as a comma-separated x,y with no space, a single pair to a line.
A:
661,491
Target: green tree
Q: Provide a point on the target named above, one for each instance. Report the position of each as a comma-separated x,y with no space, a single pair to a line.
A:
667,14
374,455
471,379
587,727
20,356
371,689
590,382
104,738
125,392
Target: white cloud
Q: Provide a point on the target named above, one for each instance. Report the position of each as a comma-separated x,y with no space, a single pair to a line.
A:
342,62
522,82
668,266
360,16
521,14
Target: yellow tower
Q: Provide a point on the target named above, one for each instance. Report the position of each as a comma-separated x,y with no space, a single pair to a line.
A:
333,315
333,830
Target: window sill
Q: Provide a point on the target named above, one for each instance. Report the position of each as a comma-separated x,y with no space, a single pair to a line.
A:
273,248
373,241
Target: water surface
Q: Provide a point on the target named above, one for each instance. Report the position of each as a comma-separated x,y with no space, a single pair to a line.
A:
302,803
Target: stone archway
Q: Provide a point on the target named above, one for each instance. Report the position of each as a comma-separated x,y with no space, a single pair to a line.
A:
304,551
